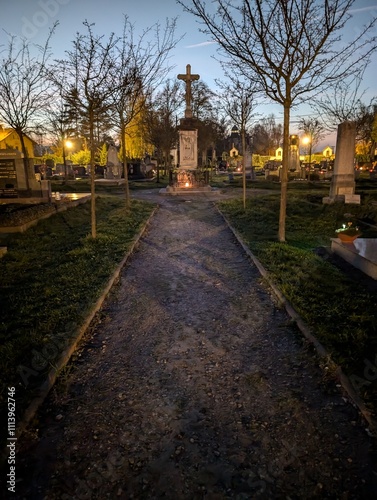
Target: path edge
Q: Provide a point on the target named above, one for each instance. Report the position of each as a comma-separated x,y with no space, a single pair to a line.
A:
44,389
341,377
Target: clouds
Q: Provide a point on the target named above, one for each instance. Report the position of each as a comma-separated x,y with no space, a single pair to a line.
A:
200,44
363,9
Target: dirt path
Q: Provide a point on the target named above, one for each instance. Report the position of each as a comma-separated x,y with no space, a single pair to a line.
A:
194,386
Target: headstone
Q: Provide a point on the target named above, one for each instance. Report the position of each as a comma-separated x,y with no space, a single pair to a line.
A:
8,175
19,184
352,199
343,178
294,154
113,165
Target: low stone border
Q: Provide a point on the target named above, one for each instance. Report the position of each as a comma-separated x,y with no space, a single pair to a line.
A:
59,207
47,385
343,380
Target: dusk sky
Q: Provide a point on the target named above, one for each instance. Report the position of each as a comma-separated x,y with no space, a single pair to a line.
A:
32,19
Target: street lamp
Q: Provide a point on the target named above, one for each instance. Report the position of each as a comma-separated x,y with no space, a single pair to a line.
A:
308,141
66,144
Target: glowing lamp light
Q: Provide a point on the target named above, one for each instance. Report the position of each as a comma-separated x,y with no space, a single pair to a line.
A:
187,184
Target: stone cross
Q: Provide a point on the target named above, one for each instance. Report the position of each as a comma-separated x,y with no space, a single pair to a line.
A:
188,78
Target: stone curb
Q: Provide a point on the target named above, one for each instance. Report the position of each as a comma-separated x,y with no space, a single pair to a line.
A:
47,385
58,208
342,378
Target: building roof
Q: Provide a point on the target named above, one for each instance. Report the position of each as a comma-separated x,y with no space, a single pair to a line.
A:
6,132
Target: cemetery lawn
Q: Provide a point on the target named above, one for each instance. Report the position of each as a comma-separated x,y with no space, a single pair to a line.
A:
340,309
50,277
83,186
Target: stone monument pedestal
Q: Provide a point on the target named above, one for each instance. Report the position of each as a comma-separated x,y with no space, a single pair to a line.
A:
187,181
176,191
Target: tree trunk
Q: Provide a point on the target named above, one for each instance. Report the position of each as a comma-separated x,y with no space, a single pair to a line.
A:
158,169
124,158
64,161
92,175
26,157
167,161
243,167
284,174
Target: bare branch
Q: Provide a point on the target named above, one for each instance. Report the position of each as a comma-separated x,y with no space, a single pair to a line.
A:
292,48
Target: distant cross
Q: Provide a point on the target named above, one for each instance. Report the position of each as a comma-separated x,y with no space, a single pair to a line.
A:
188,78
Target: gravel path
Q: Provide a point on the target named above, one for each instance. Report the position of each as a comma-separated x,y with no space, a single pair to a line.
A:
194,385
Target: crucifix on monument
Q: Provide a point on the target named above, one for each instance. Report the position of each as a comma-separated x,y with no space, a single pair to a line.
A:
188,78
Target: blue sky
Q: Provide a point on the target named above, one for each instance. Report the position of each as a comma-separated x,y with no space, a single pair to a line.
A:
32,19
29,18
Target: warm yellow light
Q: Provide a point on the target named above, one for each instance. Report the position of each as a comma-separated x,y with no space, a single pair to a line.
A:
69,144
305,140
187,184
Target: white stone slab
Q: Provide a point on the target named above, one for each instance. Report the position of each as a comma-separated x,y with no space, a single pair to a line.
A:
362,254
345,190
352,198
188,153
367,248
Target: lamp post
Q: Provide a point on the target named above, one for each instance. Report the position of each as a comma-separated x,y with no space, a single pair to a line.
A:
64,160
64,130
66,144
308,140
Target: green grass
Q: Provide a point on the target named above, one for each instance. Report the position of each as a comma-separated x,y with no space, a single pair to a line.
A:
340,311
51,276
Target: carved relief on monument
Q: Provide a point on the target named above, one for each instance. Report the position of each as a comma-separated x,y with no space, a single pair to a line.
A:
188,149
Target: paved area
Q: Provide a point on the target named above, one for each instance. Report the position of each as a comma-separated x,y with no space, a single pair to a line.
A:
194,385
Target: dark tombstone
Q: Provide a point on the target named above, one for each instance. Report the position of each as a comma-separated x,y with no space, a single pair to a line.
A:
20,183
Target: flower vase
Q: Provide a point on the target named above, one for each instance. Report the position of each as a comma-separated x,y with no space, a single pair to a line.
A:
347,238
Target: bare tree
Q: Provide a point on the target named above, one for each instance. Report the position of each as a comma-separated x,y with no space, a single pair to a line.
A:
205,110
314,130
24,88
345,103
238,99
203,100
59,124
267,136
161,120
366,128
140,68
341,102
86,86
292,48
274,131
